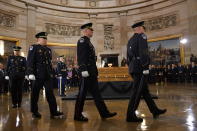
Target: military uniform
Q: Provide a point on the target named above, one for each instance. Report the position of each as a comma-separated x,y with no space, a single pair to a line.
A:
174,74
16,69
138,61
62,74
169,75
181,73
75,77
39,64
152,75
188,73
87,62
194,74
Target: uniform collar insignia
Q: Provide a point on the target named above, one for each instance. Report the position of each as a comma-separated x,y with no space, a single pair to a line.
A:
31,48
144,36
81,40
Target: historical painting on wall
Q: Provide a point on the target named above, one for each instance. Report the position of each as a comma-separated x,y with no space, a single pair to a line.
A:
68,52
6,50
164,52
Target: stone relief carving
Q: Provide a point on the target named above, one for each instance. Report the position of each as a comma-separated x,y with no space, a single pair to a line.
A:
65,30
161,22
122,2
92,3
64,2
108,37
7,20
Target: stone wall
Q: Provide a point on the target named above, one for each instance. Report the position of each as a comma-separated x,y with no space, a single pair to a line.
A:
21,19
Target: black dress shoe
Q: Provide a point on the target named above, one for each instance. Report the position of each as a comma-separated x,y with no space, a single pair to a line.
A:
63,95
14,106
108,115
81,118
134,119
57,115
36,115
19,105
159,112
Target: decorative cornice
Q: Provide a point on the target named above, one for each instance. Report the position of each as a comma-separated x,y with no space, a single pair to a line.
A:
88,10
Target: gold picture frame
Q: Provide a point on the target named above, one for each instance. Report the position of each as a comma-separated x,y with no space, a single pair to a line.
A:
179,36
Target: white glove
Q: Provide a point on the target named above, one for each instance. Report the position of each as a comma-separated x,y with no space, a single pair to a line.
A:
7,77
32,77
145,72
85,73
26,77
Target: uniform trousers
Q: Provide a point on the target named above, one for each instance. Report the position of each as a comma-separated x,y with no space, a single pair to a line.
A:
61,85
136,95
48,85
90,84
16,89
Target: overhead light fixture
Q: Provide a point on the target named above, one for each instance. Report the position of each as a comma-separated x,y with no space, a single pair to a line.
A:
183,41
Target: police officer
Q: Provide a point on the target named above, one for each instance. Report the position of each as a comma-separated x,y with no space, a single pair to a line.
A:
138,62
87,66
62,74
39,68
15,73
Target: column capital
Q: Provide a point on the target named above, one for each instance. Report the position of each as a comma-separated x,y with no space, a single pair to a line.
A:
31,6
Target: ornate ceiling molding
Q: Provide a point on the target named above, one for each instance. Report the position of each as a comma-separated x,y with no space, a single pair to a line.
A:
89,10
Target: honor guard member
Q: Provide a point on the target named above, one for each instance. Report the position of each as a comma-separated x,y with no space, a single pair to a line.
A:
87,65
138,62
62,74
194,72
15,73
39,68
181,73
2,78
188,73
174,73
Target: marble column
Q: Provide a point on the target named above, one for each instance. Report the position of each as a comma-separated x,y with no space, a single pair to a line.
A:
192,18
31,25
96,37
123,34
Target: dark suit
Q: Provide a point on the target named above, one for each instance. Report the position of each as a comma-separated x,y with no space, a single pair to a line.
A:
138,60
2,80
39,63
87,62
194,74
16,69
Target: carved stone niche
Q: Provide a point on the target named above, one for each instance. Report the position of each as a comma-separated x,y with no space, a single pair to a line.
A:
161,22
108,37
64,30
7,20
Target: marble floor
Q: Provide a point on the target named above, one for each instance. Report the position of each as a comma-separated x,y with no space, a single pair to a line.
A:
179,99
